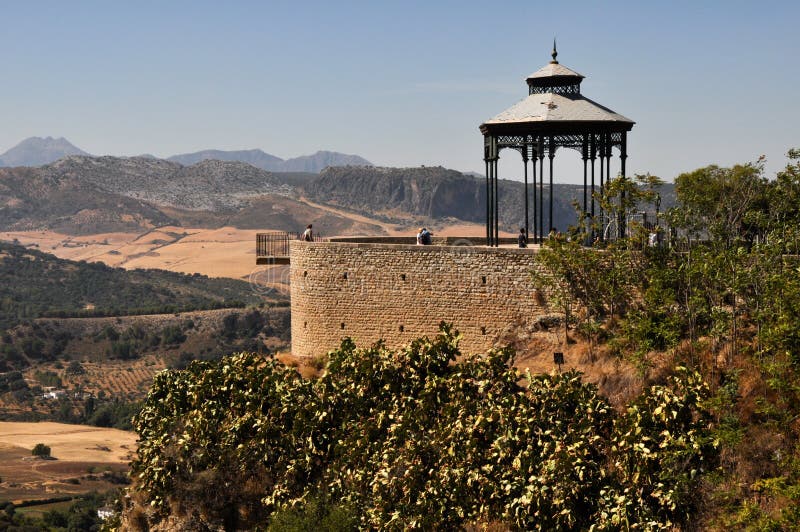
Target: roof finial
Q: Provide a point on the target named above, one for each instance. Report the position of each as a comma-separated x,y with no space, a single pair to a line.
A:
555,53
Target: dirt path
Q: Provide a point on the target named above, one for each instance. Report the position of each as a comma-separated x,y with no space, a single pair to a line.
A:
391,229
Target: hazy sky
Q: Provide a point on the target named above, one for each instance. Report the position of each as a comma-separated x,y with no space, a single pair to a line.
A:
400,83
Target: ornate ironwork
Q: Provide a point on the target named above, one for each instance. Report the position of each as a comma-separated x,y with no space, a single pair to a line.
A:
592,138
558,89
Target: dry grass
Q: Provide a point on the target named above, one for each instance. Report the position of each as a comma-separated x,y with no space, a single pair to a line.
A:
81,453
224,252
71,443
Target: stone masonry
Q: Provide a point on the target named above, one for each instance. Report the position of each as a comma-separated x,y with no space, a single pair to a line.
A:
398,292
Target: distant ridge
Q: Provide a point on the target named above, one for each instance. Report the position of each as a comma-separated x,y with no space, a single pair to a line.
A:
260,159
38,151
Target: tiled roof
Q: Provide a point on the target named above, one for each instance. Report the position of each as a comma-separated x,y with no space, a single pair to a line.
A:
549,107
553,69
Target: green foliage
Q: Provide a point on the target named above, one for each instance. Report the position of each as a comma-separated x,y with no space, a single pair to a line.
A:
661,447
41,449
419,438
36,284
729,204
316,514
48,378
172,335
75,368
115,414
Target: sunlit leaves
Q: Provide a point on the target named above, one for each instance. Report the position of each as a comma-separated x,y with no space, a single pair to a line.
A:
419,438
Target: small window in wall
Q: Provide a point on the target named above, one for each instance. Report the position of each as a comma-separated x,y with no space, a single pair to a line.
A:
342,325
402,328
344,276
305,274
403,276
483,330
483,279
305,324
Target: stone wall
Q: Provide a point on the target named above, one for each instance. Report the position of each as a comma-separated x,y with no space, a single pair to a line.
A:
399,292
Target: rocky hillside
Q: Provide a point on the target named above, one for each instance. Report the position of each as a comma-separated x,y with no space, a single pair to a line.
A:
432,192
89,195
36,151
83,195
32,200
208,185
260,159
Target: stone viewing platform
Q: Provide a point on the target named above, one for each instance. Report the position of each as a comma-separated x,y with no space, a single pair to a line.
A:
386,288
273,248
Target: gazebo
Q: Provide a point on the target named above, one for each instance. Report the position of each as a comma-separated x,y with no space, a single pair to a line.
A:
554,115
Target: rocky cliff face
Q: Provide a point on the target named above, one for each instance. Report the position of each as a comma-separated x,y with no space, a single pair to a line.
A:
434,192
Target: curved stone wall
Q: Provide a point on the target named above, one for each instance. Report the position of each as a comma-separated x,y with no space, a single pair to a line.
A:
399,292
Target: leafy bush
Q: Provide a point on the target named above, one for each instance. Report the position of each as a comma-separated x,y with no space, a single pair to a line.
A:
75,368
420,438
41,449
172,335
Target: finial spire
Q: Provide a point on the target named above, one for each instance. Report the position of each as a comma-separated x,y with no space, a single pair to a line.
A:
555,53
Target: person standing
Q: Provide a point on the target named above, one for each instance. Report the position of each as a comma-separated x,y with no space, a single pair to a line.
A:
522,238
308,234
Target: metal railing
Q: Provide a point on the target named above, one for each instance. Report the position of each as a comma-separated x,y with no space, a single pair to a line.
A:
276,244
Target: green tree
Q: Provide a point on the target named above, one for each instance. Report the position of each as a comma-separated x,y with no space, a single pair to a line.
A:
728,204
41,450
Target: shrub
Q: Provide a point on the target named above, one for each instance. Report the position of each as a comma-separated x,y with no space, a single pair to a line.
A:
419,438
75,368
41,449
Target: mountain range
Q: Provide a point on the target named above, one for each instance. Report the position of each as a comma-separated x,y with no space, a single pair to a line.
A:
80,194
38,151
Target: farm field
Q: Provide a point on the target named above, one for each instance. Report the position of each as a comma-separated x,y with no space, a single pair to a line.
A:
86,459
224,252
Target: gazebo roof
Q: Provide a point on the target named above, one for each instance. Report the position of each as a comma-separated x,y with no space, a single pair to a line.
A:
554,69
555,105
550,107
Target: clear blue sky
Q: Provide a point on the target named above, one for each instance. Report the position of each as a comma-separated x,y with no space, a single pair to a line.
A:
400,83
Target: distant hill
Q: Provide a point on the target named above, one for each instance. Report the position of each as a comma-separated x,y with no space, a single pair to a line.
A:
80,195
35,199
320,160
260,159
436,192
39,284
207,185
36,151
257,158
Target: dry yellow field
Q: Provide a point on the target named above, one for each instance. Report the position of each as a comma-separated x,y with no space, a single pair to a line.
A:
224,252
70,443
86,459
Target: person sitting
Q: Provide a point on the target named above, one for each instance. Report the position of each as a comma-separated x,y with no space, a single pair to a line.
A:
424,237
